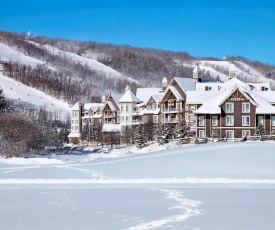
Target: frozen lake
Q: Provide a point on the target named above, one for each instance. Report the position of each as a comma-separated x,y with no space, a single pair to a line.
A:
210,186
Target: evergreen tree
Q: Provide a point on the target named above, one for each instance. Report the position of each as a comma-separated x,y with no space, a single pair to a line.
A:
3,103
85,133
183,130
140,138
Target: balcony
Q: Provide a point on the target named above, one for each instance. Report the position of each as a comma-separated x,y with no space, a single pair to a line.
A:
171,110
170,120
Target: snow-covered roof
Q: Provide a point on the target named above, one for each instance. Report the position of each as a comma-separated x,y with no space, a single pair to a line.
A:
213,105
111,105
144,94
200,86
233,68
111,128
258,86
267,95
93,106
199,97
232,83
76,106
176,92
164,79
129,96
186,84
74,135
116,97
197,69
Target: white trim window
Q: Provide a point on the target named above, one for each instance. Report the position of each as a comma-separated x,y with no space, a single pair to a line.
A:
273,120
246,107
229,107
229,120
127,108
245,133
214,120
122,108
201,133
229,134
155,118
246,120
201,120
155,106
127,119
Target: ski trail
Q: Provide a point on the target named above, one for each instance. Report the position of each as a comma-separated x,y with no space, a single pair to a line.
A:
17,169
187,208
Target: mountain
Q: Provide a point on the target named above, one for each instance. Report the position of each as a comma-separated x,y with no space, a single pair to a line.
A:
69,70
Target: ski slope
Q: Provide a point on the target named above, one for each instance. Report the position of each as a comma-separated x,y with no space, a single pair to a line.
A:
9,54
91,63
208,186
249,75
22,93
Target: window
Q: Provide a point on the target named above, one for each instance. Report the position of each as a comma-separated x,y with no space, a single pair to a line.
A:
127,118
201,134
75,114
148,107
201,120
229,120
246,107
127,110
214,120
246,121
155,106
273,120
261,120
246,133
155,118
122,108
229,134
76,127
122,119
229,107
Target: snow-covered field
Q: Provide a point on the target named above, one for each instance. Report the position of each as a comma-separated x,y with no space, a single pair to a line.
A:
207,186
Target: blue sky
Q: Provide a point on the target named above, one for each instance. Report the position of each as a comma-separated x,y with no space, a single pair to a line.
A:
202,28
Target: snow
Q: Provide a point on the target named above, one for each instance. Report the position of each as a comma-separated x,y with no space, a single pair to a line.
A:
9,54
208,186
21,93
186,84
92,63
129,96
111,128
144,94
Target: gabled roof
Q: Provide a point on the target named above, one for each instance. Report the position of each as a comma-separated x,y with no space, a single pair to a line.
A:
129,96
243,91
213,105
116,97
186,84
93,106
